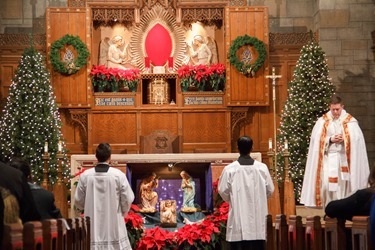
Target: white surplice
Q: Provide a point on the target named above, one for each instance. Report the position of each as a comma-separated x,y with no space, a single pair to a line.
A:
106,198
334,170
246,188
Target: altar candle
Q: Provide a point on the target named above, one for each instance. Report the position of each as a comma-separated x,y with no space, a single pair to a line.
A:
270,144
147,62
46,147
286,144
59,147
170,62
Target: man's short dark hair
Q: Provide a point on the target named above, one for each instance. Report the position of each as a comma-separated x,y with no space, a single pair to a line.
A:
21,165
103,152
335,99
244,145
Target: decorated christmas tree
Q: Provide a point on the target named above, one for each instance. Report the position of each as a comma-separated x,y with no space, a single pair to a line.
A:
308,99
31,121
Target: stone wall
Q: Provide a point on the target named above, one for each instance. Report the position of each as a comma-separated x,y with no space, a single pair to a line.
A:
345,29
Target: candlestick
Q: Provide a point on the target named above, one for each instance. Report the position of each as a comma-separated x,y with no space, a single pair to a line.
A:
147,62
270,143
59,147
286,144
46,147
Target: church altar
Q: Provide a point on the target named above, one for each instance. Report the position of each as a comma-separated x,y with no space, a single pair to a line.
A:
166,166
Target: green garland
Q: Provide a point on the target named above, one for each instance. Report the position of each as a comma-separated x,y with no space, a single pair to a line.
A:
68,68
247,69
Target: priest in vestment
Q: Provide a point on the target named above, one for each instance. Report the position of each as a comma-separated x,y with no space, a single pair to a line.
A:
337,163
106,196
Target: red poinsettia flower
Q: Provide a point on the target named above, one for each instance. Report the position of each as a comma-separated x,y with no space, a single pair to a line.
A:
134,219
79,172
155,238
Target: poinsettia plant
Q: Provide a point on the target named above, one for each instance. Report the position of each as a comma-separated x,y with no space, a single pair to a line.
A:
157,238
199,76
112,79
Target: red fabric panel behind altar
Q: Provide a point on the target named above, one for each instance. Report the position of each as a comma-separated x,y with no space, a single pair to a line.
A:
158,45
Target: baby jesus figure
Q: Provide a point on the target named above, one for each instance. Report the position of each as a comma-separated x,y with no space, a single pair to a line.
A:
168,213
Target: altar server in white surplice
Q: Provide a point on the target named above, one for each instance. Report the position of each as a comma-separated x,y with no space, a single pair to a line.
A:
105,195
337,163
245,184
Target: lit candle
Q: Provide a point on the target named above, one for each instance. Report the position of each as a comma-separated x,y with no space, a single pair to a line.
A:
286,145
46,147
273,70
270,144
147,62
170,62
59,147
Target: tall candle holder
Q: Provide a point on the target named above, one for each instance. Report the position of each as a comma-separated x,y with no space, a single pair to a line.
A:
45,183
59,189
274,204
271,155
289,204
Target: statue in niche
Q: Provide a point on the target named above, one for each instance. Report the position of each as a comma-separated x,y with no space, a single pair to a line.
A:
148,196
200,51
188,188
168,212
115,53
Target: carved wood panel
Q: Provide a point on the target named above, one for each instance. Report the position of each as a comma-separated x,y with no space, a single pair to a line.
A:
73,90
150,122
242,90
207,127
118,129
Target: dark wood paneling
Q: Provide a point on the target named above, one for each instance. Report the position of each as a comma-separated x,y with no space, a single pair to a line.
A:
242,90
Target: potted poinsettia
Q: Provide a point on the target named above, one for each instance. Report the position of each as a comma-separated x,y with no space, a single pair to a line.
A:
157,238
134,226
217,76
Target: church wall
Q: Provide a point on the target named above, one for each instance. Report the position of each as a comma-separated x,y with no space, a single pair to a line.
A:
344,28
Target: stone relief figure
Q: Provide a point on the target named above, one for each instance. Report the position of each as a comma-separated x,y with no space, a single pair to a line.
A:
103,51
188,187
148,196
211,44
187,55
202,51
115,53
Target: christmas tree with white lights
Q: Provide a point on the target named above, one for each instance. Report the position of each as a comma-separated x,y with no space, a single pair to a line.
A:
308,98
31,119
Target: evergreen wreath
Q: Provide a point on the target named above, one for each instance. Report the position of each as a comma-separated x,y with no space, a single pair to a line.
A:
247,69
73,66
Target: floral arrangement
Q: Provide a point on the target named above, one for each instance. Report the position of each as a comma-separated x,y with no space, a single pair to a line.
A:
198,76
114,79
206,234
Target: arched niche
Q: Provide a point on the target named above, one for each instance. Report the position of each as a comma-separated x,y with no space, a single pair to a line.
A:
157,20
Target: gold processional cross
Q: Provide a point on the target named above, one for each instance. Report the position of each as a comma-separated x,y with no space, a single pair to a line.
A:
274,77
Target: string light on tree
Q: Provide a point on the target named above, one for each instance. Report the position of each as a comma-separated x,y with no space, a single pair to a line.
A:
31,124
308,98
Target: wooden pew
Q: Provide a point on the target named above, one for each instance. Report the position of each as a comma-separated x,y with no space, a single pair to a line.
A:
281,232
32,235
270,241
65,235
314,234
12,237
296,233
88,231
49,234
361,237
335,234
